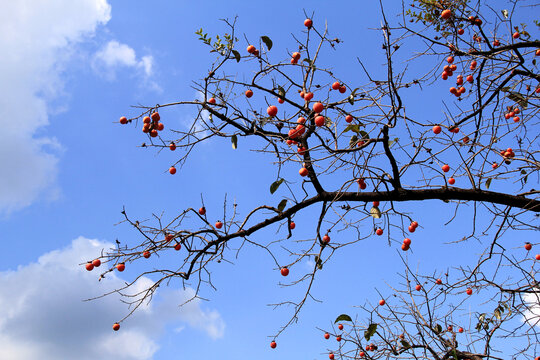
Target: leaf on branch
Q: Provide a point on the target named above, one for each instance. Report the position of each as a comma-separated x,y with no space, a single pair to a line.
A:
351,97
236,55
281,91
391,142
353,141
375,212
266,40
370,331
481,320
234,141
405,344
488,183
364,134
275,185
343,317
519,98
437,329
308,61
352,127
505,13
282,204
318,262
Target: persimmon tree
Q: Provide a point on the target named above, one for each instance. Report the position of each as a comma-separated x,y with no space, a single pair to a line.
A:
358,154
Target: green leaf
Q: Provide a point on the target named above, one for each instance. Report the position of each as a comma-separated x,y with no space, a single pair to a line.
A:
370,331
375,212
391,142
437,329
352,96
234,141
236,55
505,13
353,141
266,40
319,264
497,314
488,182
405,344
275,185
318,261
281,91
364,134
308,61
352,127
519,98
343,317
282,204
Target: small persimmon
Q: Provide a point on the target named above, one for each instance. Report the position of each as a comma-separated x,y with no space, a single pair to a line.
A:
445,14
272,110
318,107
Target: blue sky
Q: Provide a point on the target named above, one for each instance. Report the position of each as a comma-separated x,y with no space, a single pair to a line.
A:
69,71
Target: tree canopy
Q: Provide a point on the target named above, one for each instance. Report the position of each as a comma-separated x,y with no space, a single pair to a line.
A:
358,153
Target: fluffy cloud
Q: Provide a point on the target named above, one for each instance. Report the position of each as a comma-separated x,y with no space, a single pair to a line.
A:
532,315
36,36
42,315
115,54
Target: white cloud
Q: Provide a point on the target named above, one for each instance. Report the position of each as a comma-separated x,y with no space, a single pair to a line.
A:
115,54
532,315
36,36
42,315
